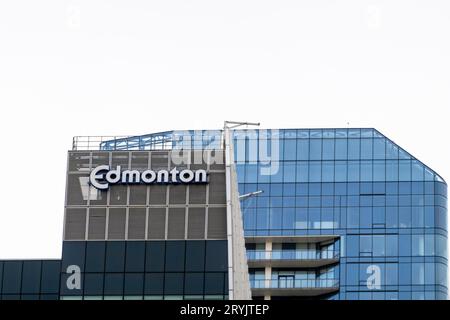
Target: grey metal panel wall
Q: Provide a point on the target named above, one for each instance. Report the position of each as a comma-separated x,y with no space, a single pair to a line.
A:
116,223
144,212
217,223
75,224
97,224
136,223
156,223
176,221
196,223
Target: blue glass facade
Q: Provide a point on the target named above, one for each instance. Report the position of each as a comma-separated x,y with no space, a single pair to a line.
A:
388,209
343,214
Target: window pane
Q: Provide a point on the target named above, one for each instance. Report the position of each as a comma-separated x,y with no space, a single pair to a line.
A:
340,171
392,170
290,149
73,254
114,284
352,218
379,148
378,246
134,284
31,277
194,283
302,149
327,171
405,170
315,171
12,272
341,149
95,256
175,255
173,283
115,256
328,149
405,245
418,273
216,255
154,283
353,149
93,284
391,245
418,245
353,171
316,149
366,149
155,256
195,255
391,274
366,171
50,276
135,256
214,283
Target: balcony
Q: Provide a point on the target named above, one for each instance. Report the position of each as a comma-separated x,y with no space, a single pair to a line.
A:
291,258
288,286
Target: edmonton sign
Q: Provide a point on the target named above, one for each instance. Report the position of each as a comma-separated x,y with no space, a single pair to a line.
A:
103,176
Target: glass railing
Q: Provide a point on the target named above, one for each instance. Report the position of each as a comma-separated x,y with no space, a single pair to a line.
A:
288,283
291,255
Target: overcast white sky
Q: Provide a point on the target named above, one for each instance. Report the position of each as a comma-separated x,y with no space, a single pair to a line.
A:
133,67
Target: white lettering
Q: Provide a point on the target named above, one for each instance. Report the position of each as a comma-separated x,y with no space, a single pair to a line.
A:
102,176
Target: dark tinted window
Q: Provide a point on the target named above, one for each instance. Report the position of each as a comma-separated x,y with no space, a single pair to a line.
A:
216,255
175,256
95,256
135,256
155,256
73,254
214,283
50,277
173,283
115,256
113,284
31,277
12,271
93,284
195,255
154,283
134,283
194,283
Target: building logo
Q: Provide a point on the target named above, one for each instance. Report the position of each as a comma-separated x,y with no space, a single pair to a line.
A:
102,177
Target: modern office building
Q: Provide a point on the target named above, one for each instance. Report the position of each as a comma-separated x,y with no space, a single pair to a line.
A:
342,214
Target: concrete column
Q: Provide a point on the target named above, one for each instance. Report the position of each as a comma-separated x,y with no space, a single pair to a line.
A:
268,249
267,276
268,269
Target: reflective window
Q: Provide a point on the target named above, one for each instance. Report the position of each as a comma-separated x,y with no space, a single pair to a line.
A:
114,283
173,283
154,284
195,256
95,256
12,272
135,256
31,277
115,256
50,276
175,253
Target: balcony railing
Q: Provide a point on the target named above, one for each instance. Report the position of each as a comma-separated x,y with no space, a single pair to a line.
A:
286,283
255,255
